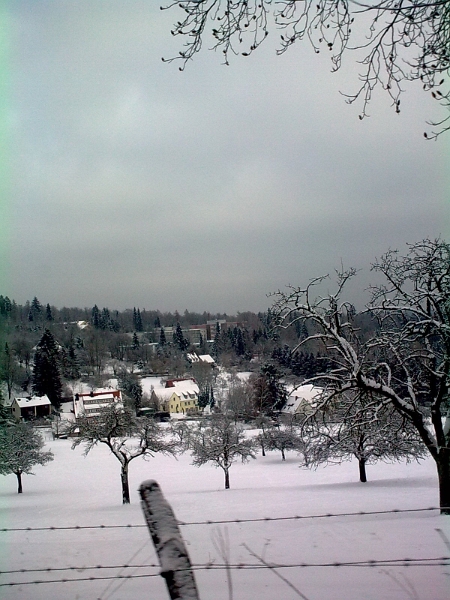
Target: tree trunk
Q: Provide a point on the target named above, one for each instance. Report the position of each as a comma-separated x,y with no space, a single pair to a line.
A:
282,454
227,479
19,482
362,470
443,467
125,486
263,451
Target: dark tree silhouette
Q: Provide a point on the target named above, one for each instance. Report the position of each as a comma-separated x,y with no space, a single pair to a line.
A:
406,364
46,371
395,41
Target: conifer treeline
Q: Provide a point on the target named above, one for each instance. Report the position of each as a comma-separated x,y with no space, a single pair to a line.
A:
93,342
135,319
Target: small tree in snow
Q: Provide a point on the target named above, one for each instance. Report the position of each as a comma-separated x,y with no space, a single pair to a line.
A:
127,437
222,443
238,399
358,427
280,438
20,450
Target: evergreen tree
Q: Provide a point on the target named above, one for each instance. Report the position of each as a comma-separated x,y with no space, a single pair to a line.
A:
95,317
48,313
35,310
269,394
179,339
105,319
137,320
5,413
130,384
5,306
136,344
204,396
216,347
162,337
239,344
46,372
70,365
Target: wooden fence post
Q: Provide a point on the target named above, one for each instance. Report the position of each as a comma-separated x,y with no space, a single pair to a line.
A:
169,545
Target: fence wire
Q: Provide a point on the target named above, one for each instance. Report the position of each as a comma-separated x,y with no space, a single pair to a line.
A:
393,562
228,521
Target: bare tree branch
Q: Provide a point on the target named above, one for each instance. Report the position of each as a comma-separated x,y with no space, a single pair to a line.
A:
405,40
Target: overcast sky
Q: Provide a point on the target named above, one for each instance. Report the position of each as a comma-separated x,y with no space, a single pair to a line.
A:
133,184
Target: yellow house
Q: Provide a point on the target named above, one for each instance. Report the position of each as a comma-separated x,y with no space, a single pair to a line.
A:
184,402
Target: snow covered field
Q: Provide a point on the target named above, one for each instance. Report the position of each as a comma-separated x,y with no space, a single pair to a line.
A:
76,491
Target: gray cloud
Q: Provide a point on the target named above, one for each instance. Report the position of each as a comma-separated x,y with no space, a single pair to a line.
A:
136,185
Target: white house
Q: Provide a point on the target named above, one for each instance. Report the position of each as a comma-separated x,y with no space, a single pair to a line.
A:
92,403
31,407
205,358
302,399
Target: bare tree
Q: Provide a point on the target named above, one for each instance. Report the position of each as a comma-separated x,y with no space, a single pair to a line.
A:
20,450
127,437
94,348
351,430
281,438
10,371
395,40
406,365
238,399
222,443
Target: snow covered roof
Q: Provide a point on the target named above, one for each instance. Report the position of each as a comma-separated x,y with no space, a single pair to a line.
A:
207,358
186,394
164,393
99,398
32,401
189,387
100,393
307,393
87,404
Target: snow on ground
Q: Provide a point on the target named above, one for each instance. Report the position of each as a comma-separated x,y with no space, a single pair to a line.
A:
83,491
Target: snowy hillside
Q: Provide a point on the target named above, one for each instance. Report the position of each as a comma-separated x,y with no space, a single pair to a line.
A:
76,491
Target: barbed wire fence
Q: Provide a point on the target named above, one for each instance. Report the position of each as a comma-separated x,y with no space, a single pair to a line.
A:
229,521
130,571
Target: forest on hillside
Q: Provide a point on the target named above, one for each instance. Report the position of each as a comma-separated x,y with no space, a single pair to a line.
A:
96,343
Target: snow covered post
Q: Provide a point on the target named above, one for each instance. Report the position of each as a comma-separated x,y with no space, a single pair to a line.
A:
169,545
